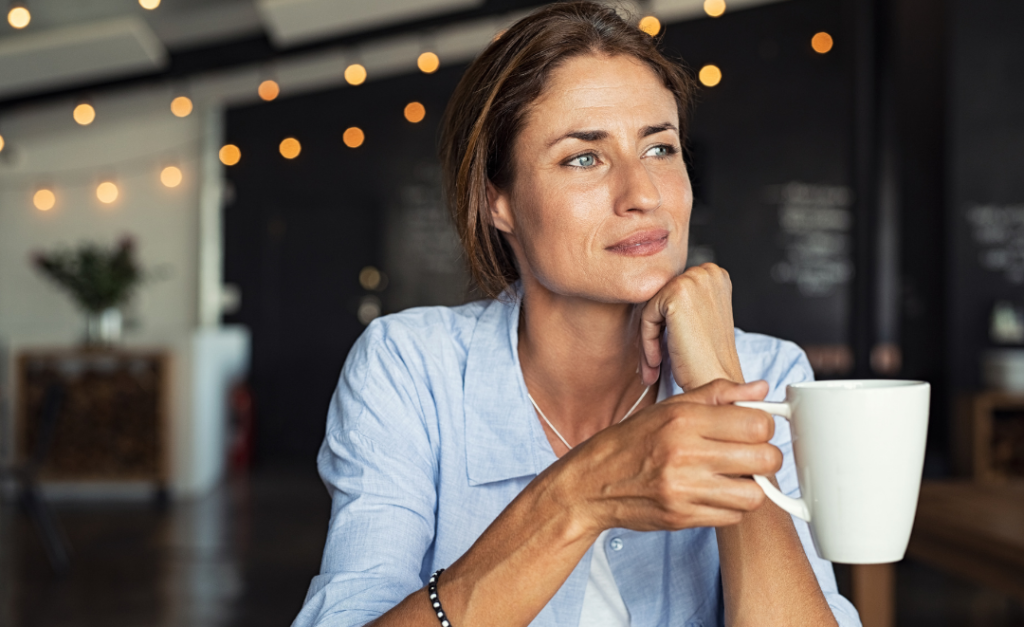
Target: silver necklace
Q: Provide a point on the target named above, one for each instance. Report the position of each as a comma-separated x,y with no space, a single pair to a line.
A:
567,445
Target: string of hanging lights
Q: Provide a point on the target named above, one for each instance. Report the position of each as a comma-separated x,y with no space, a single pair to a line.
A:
45,198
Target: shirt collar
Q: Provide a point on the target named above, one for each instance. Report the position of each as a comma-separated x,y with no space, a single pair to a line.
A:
503,437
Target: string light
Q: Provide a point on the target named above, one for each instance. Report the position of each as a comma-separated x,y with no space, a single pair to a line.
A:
710,75
19,16
355,74
181,106
353,137
84,113
714,8
171,176
44,199
415,112
428,62
268,90
821,42
106,192
229,154
650,25
290,148
149,4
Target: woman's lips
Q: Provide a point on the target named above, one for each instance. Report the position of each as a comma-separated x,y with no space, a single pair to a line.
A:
642,244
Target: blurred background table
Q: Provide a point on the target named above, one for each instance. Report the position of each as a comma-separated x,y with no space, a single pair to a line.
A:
974,531
970,530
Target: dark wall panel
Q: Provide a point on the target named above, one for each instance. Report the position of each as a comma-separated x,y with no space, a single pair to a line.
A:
986,173
773,143
298,233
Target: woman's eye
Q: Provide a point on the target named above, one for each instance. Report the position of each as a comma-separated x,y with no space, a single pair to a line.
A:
583,161
662,150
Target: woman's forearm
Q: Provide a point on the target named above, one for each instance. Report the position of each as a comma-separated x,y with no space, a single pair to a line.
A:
513,569
766,577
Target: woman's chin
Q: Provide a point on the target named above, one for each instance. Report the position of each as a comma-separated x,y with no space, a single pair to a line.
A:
632,290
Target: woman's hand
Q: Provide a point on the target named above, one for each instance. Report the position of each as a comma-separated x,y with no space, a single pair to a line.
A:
696,306
676,464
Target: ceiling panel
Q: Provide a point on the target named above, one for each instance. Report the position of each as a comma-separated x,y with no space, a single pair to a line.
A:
76,55
292,22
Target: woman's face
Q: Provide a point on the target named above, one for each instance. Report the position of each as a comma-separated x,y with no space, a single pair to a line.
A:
599,207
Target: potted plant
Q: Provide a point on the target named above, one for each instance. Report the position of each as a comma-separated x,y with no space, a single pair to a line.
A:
100,279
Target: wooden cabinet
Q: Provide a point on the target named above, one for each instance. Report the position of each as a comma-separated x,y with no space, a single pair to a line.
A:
111,422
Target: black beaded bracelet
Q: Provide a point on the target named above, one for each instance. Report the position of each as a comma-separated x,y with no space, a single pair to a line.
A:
436,602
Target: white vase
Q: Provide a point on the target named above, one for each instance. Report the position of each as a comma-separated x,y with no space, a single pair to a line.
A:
103,328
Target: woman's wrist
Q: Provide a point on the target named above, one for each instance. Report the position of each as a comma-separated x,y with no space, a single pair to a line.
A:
563,494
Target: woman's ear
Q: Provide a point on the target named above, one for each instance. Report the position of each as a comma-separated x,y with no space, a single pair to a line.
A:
500,208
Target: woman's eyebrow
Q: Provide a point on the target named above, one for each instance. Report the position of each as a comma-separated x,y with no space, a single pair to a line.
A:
597,135
587,136
651,130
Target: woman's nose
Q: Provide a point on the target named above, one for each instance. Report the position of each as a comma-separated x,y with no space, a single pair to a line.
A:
638,190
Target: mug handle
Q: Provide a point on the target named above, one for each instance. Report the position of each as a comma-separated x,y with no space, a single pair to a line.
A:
796,507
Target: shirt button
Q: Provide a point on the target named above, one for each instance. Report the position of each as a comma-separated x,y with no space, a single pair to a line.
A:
616,544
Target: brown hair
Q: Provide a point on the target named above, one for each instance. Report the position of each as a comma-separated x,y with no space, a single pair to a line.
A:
486,113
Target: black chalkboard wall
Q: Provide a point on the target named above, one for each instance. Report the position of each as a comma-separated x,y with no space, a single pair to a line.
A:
770,150
772,144
985,169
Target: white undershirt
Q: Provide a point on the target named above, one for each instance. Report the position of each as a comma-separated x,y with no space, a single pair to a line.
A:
602,602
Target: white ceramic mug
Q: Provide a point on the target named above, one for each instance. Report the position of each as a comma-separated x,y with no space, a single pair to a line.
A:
859,450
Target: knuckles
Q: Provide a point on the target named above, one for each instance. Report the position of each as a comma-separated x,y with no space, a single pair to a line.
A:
761,427
768,460
752,498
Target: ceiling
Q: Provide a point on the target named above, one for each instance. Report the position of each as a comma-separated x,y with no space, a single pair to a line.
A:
77,43
74,45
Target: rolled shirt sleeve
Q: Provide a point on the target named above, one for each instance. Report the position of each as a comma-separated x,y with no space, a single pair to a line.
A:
379,466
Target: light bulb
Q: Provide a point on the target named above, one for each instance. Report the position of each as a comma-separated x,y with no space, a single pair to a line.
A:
18,17
650,25
415,112
290,148
428,62
355,74
710,75
714,8
230,154
821,42
171,176
2,143
84,114
181,106
353,137
106,192
44,200
149,4
268,90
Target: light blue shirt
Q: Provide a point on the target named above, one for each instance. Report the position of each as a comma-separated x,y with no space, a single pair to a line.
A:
430,435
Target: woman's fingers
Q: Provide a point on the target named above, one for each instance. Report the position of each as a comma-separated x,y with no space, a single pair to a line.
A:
652,323
738,494
731,459
724,392
696,307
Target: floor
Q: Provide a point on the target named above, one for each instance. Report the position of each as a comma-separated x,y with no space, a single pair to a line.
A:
242,556
245,554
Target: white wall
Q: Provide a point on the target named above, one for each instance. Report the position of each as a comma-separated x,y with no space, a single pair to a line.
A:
129,141
132,139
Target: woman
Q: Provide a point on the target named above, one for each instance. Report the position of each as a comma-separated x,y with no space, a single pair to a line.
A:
489,439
